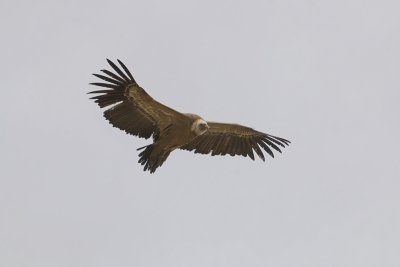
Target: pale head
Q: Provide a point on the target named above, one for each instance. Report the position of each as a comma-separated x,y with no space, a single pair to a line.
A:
199,126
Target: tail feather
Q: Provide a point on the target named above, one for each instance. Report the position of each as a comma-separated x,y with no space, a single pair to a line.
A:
151,162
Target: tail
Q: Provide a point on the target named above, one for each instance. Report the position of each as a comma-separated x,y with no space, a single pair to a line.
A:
151,162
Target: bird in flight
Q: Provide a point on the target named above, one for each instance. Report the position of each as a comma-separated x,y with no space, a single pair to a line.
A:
131,109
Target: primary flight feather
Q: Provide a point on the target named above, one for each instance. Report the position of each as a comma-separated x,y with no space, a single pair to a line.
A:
137,113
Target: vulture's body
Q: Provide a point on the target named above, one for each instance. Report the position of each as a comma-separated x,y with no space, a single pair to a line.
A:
135,112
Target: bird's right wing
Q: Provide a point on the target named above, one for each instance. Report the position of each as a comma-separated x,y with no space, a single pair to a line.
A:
133,110
235,139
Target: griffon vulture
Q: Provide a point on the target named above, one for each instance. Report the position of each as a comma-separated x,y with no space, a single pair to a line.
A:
137,113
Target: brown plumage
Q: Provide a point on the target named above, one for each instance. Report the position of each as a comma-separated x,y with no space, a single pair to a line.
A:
137,113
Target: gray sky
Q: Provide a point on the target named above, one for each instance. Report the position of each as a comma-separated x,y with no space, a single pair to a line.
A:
324,74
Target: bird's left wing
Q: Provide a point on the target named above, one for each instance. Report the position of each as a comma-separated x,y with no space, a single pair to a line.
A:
235,139
129,107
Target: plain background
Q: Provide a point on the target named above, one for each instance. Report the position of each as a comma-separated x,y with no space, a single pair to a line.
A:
324,74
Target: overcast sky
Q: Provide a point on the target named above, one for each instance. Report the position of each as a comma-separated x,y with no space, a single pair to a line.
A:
323,74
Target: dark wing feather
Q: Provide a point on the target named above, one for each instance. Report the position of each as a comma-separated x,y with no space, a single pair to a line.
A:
133,110
235,139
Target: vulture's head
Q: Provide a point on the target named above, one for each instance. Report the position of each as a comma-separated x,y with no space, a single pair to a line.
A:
199,126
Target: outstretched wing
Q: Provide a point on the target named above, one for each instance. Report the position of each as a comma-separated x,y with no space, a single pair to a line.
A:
133,110
235,139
